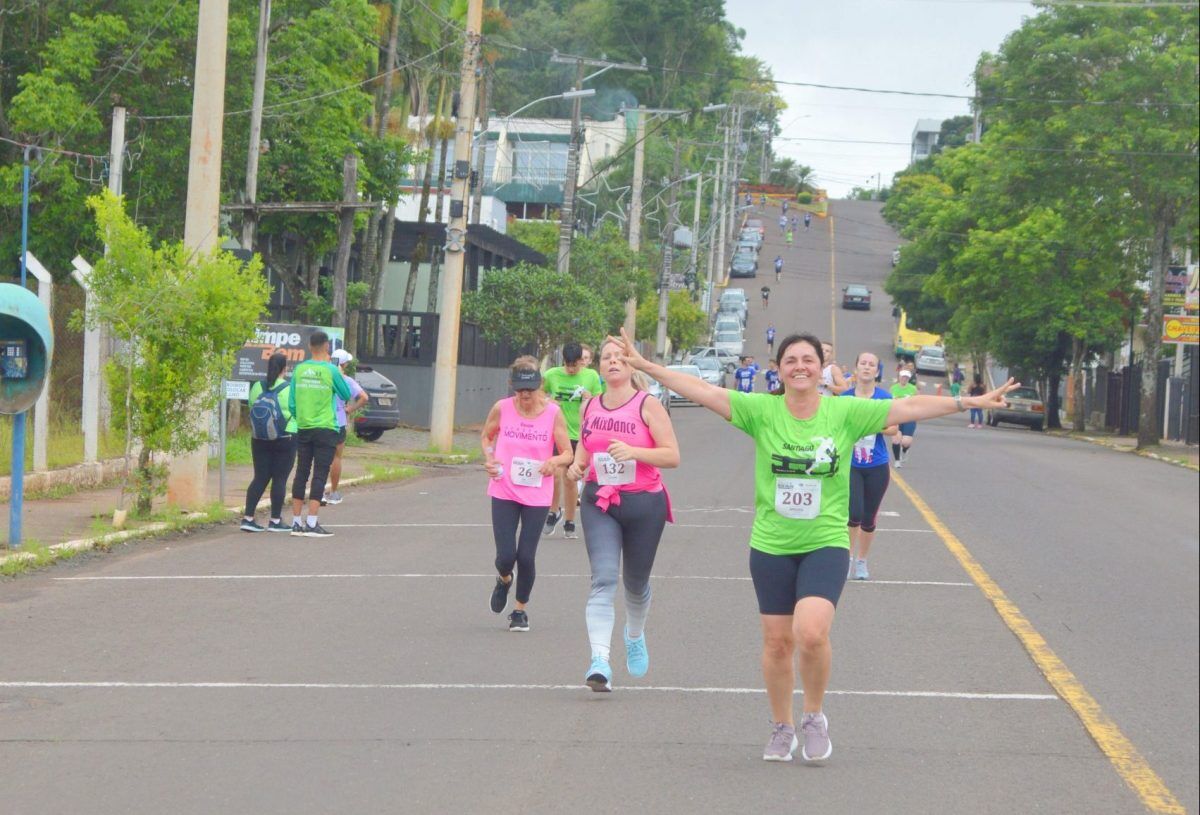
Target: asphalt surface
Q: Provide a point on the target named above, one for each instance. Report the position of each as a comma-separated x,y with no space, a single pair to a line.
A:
365,673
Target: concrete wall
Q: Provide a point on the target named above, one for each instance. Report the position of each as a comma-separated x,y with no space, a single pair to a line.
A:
478,390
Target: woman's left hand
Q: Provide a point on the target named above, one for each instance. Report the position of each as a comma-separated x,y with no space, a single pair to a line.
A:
549,467
620,451
995,398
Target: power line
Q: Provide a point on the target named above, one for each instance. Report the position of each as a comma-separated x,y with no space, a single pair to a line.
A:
292,102
1013,148
885,91
55,150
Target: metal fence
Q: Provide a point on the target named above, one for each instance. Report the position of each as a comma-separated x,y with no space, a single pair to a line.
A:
410,338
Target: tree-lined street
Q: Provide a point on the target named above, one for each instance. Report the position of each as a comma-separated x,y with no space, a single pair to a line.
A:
364,673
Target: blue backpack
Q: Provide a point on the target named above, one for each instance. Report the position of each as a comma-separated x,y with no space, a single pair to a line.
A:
267,422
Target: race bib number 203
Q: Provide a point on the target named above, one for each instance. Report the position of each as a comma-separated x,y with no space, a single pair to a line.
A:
798,498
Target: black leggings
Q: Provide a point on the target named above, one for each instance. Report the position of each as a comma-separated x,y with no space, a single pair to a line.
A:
315,449
511,550
273,462
867,486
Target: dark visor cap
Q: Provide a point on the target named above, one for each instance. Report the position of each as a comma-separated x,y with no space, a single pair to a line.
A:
525,380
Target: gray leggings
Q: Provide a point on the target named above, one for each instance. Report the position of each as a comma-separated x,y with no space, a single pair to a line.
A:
633,529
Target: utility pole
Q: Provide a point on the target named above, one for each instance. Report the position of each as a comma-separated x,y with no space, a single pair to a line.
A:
715,219
731,194
664,282
719,227
116,185
566,217
445,372
341,261
481,148
696,225
635,209
250,221
186,485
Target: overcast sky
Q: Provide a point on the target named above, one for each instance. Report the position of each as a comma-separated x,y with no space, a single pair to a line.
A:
912,45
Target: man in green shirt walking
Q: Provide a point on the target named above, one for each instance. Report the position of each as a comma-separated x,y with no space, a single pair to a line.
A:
311,400
903,389
570,385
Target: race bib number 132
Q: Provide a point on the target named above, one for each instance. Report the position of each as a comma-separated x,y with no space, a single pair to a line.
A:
798,498
613,473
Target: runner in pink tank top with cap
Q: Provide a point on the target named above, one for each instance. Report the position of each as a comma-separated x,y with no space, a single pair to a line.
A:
519,439
626,439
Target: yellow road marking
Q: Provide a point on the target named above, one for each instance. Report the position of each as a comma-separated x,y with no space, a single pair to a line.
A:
1129,763
832,289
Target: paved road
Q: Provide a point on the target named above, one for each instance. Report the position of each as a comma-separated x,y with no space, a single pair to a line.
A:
365,673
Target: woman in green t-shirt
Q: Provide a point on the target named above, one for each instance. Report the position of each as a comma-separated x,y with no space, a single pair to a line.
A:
799,545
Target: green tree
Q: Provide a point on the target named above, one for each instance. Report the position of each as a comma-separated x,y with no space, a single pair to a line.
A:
1104,100
686,321
180,321
535,305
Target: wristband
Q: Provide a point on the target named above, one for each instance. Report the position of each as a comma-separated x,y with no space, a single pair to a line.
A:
958,402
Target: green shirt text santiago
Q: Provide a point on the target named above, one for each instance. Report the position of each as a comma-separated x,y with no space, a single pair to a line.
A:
310,397
567,390
816,451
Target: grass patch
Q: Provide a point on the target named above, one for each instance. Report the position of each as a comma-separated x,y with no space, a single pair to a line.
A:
390,472
64,447
37,556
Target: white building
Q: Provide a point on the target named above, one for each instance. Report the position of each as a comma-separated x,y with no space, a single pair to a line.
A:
924,138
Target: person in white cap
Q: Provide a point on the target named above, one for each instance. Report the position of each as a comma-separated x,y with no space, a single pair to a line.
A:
903,389
341,358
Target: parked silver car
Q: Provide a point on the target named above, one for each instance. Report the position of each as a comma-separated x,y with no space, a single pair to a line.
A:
730,342
690,370
727,360
931,359
711,370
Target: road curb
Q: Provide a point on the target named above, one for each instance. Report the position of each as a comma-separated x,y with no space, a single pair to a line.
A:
1120,448
185,522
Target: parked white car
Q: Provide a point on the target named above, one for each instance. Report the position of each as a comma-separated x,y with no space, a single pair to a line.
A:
730,341
690,370
931,359
727,322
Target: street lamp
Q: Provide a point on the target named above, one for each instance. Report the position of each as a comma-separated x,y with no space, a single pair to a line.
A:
571,94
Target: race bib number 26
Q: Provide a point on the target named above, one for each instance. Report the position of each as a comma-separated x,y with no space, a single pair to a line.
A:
526,472
798,498
613,473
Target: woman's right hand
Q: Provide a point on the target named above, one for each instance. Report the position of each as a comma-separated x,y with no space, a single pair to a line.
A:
576,471
629,351
492,468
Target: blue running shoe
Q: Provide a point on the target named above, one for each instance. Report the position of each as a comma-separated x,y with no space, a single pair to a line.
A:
599,675
637,658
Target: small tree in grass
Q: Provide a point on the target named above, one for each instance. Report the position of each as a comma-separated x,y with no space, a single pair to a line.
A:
526,304
179,319
686,321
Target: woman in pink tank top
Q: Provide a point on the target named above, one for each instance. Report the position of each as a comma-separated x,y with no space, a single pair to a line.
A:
625,440
519,438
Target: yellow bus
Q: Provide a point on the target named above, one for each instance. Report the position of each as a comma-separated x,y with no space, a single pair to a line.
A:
910,340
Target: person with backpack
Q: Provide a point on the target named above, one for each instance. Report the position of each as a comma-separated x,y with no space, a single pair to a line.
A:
272,445
315,383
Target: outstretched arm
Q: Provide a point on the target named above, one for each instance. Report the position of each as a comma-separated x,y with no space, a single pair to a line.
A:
689,387
920,408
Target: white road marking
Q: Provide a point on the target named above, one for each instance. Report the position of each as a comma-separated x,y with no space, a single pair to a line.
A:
488,526
417,575
914,694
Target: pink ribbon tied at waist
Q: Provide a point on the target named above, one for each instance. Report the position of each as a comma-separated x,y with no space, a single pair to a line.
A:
610,495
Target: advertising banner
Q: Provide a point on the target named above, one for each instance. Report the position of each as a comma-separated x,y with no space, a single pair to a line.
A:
1181,330
291,339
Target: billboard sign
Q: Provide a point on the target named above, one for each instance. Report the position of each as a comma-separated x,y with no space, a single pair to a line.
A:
291,339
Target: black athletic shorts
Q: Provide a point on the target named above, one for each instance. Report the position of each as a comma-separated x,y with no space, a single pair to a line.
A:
781,580
342,434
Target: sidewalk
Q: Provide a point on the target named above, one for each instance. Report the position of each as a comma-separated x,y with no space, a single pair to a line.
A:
88,512
1171,452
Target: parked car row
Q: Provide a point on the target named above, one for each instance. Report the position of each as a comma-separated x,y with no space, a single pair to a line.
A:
744,262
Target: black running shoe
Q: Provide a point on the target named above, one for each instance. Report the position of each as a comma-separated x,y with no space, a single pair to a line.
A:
251,526
500,595
518,621
298,529
317,531
278,526
551,522
569,530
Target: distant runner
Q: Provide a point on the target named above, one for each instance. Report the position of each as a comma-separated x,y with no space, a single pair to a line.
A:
770,339
744,375
570,385
807,220
778,267
766,295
